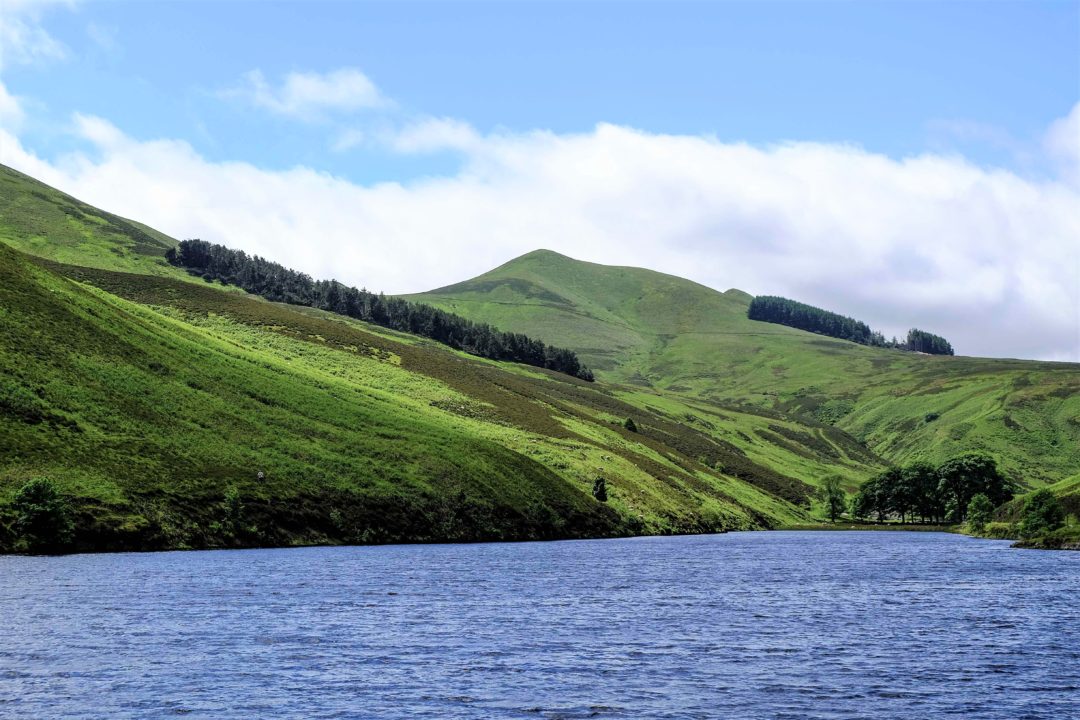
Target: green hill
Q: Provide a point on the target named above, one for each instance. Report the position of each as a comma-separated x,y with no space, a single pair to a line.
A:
656,331
41,220
153,401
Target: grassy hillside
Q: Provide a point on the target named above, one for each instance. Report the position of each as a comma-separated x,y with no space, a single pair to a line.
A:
153,403
154,399
41,220
659,332
1069,492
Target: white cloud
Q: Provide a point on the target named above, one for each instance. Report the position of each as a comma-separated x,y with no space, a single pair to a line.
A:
1062,143
11,112
310,95
99,131
411,137
23,41
432,135
984,256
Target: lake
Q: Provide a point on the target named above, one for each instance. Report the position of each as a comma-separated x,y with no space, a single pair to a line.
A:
743,625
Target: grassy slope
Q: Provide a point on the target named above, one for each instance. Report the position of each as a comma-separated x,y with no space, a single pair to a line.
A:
660,332
148,414
41,220
148,396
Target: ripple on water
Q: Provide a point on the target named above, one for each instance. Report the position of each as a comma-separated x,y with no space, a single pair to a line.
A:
747,625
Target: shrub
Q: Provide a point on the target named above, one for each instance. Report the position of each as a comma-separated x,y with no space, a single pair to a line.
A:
599,489
630,425
43,519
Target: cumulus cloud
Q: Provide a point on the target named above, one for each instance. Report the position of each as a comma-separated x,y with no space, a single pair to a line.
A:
984,256
310,95
23,41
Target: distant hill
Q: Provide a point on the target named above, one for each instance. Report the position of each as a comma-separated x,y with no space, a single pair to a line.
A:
656,331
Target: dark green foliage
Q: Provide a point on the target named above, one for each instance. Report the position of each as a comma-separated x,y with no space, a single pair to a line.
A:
599,489
782,311
630,425
1042,514
979,512
832,494
799,315
234,506
43,519
280,284
961,478
922,341
933,494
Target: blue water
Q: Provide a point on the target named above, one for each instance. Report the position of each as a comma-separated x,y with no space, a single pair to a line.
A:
745,625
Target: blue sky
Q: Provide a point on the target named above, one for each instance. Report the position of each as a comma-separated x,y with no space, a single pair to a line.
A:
907,163
981,78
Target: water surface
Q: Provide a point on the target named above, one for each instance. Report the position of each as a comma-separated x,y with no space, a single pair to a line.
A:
744,625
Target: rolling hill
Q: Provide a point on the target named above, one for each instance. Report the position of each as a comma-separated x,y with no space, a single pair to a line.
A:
641,328
173,413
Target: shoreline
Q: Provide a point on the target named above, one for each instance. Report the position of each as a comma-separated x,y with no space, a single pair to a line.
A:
1067,541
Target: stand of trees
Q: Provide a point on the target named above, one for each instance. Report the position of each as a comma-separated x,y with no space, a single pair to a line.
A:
922,341
932,494
782,311
280,284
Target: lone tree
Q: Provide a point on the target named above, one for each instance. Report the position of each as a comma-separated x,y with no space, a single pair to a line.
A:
43,517
1042,514
834,498
979,512
599,489
630,425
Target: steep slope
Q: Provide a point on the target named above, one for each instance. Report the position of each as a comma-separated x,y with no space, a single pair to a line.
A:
664,333
43,221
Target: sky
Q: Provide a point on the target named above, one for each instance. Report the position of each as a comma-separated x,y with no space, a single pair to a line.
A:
905,163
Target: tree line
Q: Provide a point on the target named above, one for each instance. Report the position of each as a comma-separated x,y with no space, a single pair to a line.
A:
280,284
933,494
782,311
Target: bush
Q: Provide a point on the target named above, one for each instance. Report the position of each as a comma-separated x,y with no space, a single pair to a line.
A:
630,425
1042,514
43,520
599,489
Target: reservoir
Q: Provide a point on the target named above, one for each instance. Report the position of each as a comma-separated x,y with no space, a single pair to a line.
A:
743,625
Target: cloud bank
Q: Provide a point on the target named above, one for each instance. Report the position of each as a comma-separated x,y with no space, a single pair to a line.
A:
983,256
